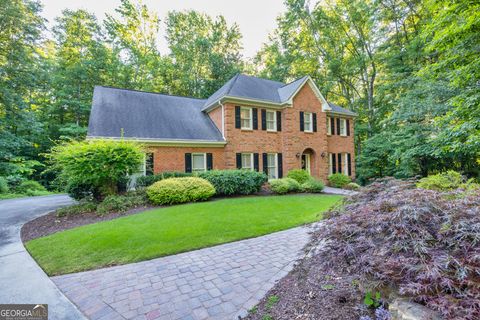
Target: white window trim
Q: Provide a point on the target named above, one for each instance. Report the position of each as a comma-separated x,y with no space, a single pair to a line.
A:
204,162
250,110
276,165
310,121
329,126
343,132
345,163
274,120
251,161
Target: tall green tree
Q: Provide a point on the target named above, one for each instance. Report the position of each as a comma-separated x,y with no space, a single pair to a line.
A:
20,34
205,52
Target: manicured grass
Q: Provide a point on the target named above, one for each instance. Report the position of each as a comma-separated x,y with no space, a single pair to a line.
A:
175,229
4,196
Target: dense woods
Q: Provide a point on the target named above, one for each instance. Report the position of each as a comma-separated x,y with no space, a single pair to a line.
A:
409,68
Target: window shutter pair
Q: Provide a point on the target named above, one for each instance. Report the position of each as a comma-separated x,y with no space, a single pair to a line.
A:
280,165
238,124
188,162
255,161
302,121
264,120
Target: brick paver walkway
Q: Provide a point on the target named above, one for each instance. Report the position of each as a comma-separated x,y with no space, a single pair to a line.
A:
220,282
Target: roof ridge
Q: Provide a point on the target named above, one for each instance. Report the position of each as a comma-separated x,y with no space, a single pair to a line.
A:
286,84
151,92
264,79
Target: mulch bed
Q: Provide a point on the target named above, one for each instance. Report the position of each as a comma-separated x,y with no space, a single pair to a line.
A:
51,223
312,291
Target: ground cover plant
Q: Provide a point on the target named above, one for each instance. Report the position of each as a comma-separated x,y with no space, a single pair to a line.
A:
174,229
424,243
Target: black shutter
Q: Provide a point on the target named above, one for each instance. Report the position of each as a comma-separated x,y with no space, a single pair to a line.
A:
255,161
264,119
238,124
280,165
239,161
265,163
334,163
188,162
302,125
332,124
338,126
279,121
255,118
339,156
209,161
349,160
348,127
314,122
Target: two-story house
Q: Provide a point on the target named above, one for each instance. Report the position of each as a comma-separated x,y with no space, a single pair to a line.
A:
249,123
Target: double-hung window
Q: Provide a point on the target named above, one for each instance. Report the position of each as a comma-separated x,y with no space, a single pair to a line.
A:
329,126
343,127
199,162
272,165
247,161
307,122
246,118
271,120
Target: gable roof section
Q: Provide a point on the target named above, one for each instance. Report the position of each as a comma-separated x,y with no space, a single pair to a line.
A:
149,116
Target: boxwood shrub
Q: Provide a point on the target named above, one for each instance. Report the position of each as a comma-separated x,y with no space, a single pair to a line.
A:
235,182
284,185
313,186
145,181
180,190
338,180
300,175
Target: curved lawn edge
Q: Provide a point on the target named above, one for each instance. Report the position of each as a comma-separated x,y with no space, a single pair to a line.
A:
171,230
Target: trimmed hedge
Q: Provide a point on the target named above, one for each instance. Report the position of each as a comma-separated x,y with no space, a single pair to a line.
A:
180,190
234,182
339,180
313,186
300,175
284,185
145,181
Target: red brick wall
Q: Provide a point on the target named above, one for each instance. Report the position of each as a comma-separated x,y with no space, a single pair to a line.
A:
340,144
290,141
173,158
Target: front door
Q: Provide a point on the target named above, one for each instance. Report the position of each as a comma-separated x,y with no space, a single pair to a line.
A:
306,162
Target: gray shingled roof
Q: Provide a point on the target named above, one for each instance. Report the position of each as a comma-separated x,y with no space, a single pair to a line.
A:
338,109
145,115
248,87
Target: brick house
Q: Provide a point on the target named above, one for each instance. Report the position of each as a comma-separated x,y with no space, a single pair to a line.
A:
249,123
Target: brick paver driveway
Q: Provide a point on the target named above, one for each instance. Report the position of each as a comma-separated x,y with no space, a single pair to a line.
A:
220,282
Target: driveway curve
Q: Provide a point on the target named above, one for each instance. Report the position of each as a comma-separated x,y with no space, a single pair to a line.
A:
21,279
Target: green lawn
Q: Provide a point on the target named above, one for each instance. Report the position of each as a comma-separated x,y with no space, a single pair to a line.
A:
5,196
175,229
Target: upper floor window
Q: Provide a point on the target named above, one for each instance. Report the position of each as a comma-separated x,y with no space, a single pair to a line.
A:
308,122
329,126
247,161
199,162
246,118
343,127
271,120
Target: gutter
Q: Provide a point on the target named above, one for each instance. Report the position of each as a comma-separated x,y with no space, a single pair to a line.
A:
168,143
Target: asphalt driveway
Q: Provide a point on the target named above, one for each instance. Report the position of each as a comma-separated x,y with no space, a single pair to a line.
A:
21,279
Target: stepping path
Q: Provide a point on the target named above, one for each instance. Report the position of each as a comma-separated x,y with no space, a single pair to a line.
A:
220,282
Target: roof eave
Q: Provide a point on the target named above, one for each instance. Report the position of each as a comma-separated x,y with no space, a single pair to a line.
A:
250,101
167,142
